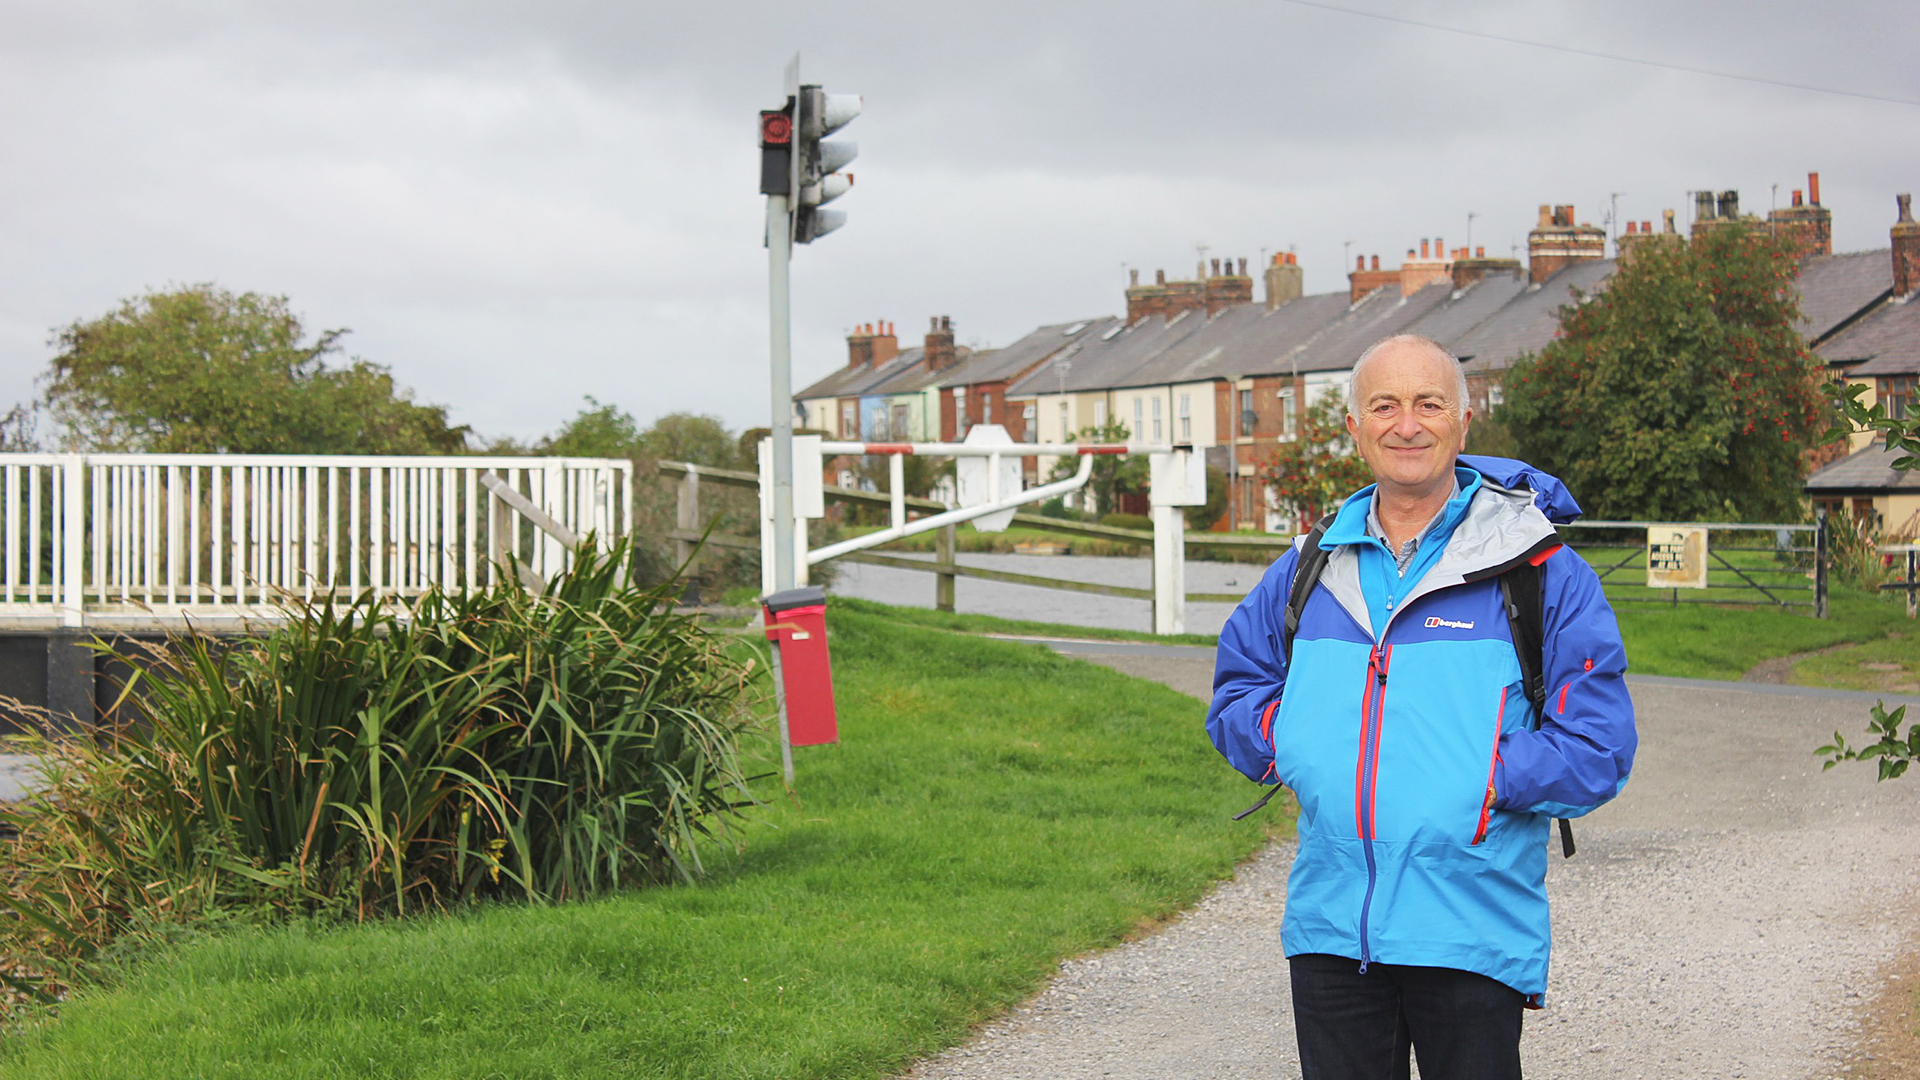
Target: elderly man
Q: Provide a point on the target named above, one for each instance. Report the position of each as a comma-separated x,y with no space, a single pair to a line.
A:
1416,910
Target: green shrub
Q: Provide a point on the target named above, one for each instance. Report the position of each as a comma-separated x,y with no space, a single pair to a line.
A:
370,760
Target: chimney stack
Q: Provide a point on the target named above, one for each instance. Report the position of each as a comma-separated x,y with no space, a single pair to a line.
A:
860,347
940,353
885,345
1224,290
1808,224
1558,243
1284,279
1362,282
1906,248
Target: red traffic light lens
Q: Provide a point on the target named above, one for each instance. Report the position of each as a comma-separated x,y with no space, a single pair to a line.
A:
776,128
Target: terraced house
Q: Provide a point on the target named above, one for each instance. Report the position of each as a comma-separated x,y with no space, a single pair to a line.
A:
1206,362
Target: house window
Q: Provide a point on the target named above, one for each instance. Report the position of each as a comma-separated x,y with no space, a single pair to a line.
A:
1029,425
1496,396
849,420
902,420
1156,419
986,406
1244,415
961,422
1896,393
1100,414
1065,425
1288,431
1139,417
1186,418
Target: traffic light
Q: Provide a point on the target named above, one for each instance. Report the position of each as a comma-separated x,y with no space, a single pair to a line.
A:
776,150
816,163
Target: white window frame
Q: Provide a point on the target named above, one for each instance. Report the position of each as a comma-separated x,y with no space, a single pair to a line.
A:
1156,418
1289,427
1139,418
1100,413
1186,418
850,420
1066,423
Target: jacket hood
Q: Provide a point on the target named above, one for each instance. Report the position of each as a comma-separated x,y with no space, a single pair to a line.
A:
1549,494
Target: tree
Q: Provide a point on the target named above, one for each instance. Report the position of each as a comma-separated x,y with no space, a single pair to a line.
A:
1683,392
598,430
1890,749
200,370
1113,475
703,440
1319,467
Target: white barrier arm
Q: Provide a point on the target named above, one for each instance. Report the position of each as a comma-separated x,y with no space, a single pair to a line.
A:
954,517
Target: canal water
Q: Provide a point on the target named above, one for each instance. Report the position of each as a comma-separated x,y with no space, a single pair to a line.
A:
975,596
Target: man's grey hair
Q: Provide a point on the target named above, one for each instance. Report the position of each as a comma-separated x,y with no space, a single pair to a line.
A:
1459,373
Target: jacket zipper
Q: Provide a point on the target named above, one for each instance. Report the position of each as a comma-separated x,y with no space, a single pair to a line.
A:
1486,802
1373,705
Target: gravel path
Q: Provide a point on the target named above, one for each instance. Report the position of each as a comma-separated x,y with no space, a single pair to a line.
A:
1728,916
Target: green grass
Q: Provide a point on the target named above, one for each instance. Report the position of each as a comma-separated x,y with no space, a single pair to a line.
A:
990,809
993,624
1704,641
1844,668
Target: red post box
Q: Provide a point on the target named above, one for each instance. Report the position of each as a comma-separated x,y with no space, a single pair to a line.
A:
797,626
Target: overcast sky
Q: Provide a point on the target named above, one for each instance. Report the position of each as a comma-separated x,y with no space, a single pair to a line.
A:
513,205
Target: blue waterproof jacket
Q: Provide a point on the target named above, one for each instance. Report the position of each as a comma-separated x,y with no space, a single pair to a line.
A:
1404,707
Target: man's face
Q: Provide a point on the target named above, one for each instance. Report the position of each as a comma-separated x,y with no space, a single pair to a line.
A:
1409,427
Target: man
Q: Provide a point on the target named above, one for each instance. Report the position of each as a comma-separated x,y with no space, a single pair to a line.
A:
1416,909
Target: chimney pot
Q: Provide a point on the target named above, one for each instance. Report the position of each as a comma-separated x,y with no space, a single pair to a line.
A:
1133,278
1480,253
1159,277
1243,267
1423,248
1905,203
1646,226
1633,227
1376,262
1796,196
1216,268
1813,188
1359,262
1546,215
1438,248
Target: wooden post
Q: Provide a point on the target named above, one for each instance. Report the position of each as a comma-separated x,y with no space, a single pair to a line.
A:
687,513
1820,565
943,544
1913,579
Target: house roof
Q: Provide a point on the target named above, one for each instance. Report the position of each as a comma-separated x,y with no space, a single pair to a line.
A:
918,376
1834,288
1888,341
1018,358
1463,310
1530,320
1244,340
849,381
1108,354
1869,470
1380,314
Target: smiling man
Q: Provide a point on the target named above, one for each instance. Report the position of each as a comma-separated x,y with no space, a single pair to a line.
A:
1397,712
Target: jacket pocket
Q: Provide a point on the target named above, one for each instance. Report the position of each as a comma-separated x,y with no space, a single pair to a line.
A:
1493,758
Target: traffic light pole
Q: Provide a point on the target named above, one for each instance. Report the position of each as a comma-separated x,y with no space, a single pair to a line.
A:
779,248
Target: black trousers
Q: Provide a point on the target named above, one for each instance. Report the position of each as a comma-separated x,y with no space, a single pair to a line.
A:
1460,1025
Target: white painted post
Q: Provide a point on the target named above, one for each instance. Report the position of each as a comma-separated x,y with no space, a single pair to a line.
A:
1178,479
73,539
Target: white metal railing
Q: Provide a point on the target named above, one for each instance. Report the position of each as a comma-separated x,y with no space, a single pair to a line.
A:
142,539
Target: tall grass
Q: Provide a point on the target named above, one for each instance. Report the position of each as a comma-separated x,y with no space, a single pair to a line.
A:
367,759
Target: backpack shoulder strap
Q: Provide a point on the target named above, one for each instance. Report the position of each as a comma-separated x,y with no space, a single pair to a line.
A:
1306,572
1522,596
1520,593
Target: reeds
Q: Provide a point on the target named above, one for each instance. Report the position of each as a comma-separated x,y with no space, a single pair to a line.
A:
366,759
